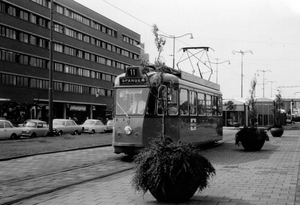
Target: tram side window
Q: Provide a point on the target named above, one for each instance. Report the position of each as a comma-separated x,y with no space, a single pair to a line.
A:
215,106
208,105
184,106
193,103
172,101
220,110
151,102
201,104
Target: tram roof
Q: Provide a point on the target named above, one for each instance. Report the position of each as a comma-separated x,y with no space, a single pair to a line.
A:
170,75
200,81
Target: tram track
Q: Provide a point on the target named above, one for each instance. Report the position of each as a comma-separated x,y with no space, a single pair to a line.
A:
29,177
53,152
21,188
36,193
32,185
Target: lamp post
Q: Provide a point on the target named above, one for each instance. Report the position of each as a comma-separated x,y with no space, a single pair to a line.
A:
217,63
50,93
242,75
174,37
263,79
271,85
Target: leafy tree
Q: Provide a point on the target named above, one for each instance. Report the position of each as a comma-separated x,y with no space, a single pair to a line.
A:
252,103
230,105
160,43
276,111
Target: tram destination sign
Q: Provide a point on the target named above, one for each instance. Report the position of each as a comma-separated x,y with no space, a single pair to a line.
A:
132,81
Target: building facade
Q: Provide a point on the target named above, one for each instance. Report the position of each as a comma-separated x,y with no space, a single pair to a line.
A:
89,51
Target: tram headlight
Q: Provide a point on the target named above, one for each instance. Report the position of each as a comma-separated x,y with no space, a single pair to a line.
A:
128,130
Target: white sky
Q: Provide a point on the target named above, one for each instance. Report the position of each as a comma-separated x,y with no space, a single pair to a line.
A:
268,28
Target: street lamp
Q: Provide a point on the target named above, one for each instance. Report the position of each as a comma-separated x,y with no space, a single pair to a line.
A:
217,66
50,93
242,53
174,37
263,79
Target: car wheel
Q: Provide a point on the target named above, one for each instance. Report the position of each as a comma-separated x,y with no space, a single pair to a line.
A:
60,133
33,135
93,132
13,136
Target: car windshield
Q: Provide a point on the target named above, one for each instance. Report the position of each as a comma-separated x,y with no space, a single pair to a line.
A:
89,122
110,122
30,124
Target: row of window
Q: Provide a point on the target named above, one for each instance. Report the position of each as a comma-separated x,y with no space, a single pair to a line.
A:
33,18
78,17
58,86
24,37
6,55
192,103
38,41
10,56
87,56
130,40
85,20
65,68
94,41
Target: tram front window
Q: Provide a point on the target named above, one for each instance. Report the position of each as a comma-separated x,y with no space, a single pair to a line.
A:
131,101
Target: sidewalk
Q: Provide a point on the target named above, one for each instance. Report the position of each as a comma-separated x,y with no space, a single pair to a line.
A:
270,176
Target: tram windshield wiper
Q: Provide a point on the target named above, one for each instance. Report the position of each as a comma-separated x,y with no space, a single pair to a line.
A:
122,109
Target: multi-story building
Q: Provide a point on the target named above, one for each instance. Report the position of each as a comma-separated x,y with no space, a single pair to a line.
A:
89,51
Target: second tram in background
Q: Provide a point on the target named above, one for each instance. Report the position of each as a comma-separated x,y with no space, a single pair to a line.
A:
180,105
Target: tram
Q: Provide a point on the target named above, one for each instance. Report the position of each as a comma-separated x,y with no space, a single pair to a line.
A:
172,103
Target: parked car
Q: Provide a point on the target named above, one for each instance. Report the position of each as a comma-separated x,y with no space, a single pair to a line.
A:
66,126
109,125
34,128
22,124
92,126
8,131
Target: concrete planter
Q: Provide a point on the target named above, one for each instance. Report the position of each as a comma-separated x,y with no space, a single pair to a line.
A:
251,138
178,191
276,131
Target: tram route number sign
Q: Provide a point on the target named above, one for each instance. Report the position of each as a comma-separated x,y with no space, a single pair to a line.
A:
193,124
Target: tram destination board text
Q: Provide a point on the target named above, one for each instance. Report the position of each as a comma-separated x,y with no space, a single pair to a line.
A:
132,81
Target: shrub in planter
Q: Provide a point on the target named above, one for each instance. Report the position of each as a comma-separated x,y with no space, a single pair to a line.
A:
251,138
277,130
171,170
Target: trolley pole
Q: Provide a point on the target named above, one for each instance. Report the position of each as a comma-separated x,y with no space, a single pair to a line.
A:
174,37
271,85
217,63
242,75
263,79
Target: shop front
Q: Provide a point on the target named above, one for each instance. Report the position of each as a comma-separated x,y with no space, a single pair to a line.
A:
234,112
39,109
